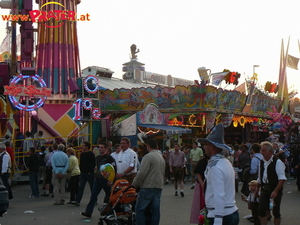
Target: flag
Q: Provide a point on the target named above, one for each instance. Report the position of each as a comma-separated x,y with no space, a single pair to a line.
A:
281,74
4,47
19,44
292,62
218,77
282,93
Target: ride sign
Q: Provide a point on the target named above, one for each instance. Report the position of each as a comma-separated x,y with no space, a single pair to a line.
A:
15,92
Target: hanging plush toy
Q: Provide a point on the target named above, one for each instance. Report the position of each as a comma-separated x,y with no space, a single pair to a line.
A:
282,122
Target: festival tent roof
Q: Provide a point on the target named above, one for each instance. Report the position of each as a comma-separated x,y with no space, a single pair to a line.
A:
168,129
111,84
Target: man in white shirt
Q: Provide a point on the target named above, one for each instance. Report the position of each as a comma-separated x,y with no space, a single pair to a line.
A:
126,161
271,177
220,180
40,141
28,142
5,166
116,152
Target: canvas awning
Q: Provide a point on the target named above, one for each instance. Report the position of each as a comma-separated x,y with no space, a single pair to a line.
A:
168,129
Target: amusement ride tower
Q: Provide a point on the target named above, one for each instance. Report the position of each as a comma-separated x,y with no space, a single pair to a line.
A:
54,66
57,49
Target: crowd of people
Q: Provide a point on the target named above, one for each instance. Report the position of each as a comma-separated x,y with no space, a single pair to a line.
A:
214,168
64,170
260,167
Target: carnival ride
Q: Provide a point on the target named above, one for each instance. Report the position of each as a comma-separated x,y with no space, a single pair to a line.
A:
39,91
46,75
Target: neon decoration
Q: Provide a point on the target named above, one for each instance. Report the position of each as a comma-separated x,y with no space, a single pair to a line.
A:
87,104
96,114
235,123
149,131
242,121
31,91
192,119
91,78
175,122
15,90
77,105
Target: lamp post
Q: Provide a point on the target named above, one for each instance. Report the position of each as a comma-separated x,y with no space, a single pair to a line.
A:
254,68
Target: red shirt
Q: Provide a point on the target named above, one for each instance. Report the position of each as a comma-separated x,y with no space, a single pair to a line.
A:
10,151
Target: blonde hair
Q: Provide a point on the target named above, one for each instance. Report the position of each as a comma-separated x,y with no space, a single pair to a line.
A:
268,145
253,183
71,151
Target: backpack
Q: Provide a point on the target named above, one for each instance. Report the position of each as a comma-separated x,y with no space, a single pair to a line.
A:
247,169
248,177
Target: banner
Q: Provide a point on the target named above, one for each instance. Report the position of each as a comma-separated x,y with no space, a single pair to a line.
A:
218,77
210,120
292,62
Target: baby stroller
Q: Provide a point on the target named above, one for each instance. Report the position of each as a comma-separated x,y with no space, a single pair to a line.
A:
118,210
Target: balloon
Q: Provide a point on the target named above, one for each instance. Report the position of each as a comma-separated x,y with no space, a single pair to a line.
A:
108,172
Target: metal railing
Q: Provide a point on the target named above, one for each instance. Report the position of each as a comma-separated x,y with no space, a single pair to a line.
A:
20,156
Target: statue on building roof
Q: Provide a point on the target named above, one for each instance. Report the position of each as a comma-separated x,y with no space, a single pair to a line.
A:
134,51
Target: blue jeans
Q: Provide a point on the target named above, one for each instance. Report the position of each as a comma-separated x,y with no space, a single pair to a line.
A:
231,219
99,183
148,197
84,177
34,183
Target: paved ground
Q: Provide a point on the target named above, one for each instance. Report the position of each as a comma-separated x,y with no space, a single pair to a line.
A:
174,210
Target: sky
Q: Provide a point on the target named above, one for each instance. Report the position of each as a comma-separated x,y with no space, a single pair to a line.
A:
178,36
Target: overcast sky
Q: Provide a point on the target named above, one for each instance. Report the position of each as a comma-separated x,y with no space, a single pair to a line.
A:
178,36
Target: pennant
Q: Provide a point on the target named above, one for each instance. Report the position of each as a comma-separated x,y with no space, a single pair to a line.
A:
218,77
227,119
4,47
292,62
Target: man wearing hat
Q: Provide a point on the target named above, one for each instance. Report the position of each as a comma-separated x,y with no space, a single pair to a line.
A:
220,179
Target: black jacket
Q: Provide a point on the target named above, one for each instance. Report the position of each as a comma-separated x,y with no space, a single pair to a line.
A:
33,163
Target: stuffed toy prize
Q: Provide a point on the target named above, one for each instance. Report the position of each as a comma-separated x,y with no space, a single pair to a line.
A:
108,172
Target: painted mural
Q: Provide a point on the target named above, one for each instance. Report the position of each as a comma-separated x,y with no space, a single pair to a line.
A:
180,97
262,103
150,115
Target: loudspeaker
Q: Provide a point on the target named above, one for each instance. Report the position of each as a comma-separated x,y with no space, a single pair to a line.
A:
4,74
73,85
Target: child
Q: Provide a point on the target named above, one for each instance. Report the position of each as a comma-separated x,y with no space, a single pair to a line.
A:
237,170
253,202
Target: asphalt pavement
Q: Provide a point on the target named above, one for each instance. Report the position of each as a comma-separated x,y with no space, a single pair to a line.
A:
175,210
